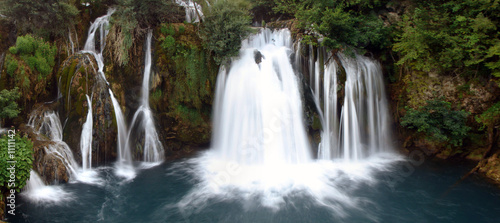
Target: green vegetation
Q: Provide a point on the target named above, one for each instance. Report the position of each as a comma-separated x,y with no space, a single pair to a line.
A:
225,25
8,105
132,18
448,36
438,121
38,54
194,73
490,117
23,160
43,18
340,24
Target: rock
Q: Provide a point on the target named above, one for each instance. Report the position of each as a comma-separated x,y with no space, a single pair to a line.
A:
258,56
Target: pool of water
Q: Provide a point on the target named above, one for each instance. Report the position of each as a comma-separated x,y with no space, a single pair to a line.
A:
400,192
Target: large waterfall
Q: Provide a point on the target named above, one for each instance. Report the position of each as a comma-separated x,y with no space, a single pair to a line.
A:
259,107
260,149
152,147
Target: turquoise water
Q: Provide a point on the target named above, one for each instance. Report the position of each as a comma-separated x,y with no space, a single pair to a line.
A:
425,193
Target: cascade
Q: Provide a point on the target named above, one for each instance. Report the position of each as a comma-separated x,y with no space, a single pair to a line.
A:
100,24
124,164
362,128
153,149
259,108
191,7
48,128
86,138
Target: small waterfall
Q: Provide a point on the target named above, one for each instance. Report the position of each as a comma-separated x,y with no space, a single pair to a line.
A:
191,7
363,127
86,138
259,107
329,138
48,128
124,164
153,149
37,191
100,24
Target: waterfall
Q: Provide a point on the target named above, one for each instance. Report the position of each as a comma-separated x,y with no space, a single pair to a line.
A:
100,24
153,149
86,138
191,8
48,128
362,130
259,108
37,191
124,163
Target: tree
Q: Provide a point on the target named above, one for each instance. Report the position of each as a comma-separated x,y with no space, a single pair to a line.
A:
47,19
225,25
447,36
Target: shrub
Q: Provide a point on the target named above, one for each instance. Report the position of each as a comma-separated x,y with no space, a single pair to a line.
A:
490,117
23,160
8,105
225,25
38,54
438,121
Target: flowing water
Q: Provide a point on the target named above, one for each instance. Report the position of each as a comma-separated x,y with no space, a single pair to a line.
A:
124,165
47,126
86,138
192,10
156,195
261,168
143,117
100,26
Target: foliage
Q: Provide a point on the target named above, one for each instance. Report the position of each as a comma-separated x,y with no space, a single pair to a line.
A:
490,116
23,160
438,121
449,35
340,24
38,54
8,105
225,25
133,17
43,18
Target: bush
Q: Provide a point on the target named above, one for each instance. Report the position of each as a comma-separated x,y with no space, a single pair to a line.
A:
490,117
438,121
38,54
23,161
225,25
341,24
8,105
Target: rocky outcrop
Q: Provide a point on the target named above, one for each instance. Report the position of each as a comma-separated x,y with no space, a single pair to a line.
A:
78,77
